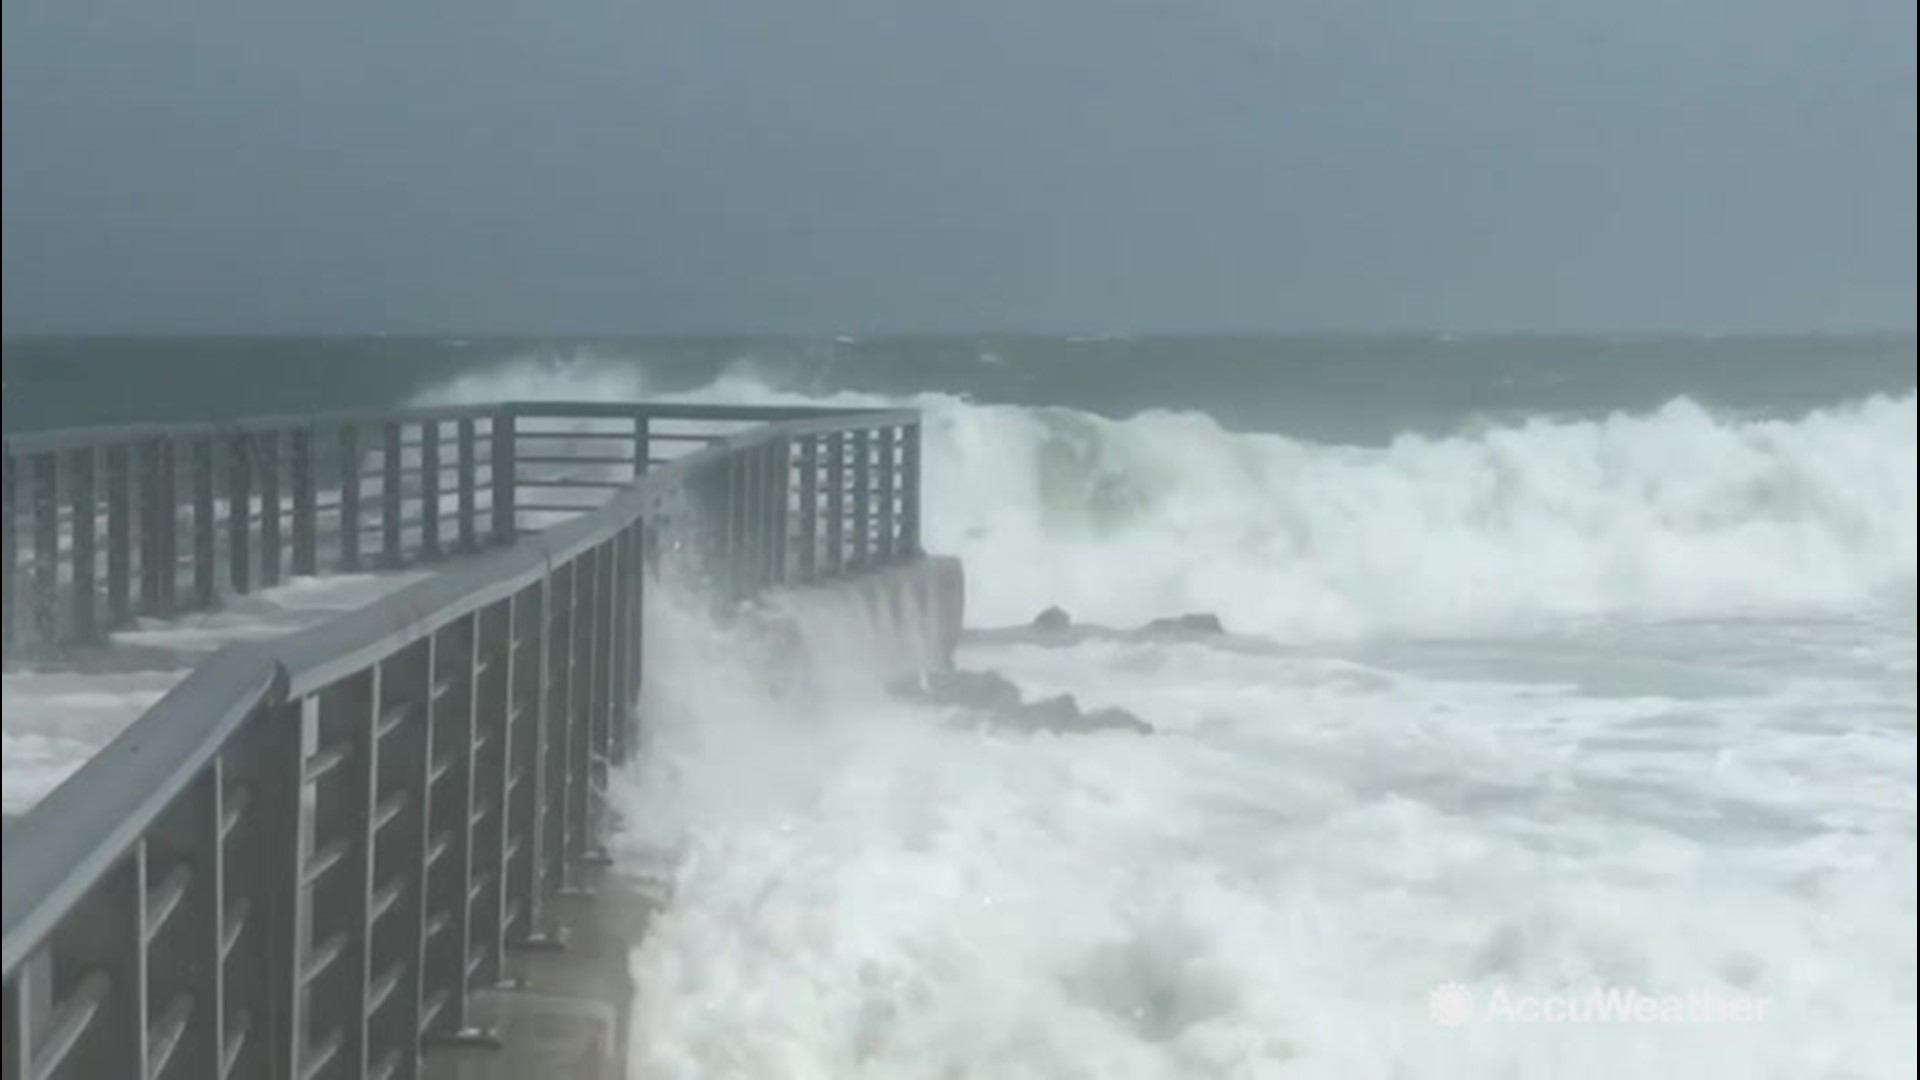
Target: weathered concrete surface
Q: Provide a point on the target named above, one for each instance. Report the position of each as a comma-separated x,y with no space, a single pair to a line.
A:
567,1017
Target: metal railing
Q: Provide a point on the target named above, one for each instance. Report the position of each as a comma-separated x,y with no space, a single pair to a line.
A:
307,858
102,526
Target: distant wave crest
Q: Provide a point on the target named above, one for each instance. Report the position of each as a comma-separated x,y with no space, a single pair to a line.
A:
1678,512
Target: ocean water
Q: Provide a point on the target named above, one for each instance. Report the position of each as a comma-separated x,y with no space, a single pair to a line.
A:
1563,724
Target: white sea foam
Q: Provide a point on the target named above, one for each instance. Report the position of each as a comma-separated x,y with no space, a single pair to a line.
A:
1274,884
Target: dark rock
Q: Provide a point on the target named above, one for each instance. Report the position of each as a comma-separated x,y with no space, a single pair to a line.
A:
1205,622
991,699
1114,720
1051,712
971,689
1053,619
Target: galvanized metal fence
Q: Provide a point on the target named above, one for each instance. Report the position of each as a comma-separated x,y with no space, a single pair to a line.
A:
103,526
308,858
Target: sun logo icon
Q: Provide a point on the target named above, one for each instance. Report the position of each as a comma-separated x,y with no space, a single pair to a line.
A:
1451,1004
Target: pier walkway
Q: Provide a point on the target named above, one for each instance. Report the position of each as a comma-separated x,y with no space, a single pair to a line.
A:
338,697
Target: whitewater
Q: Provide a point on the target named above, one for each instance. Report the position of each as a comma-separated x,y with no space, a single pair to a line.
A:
1585,708
1510,714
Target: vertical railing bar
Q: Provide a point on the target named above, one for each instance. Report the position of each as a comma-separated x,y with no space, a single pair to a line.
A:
778,467
585,619
150,524
910,500
239,513
619,630
81,471
469,497
430,489
862,499
10,535
46,546
460,728
527,819
500,701
414,741
18,1045
809,507
271,512
887,463
350,469
306,554
392,497
206,573
837,503
170,533
562,659
505,523
119,534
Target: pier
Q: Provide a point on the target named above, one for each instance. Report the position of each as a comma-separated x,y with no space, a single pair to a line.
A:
370,843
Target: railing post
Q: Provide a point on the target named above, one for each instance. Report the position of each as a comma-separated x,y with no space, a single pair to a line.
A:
430,489
402,851
10,533
505,525
640,548
753,520
884,541
449,871
495,703
469,496
350,476
607,602
187,932
81,469
584,724
343,767
267,446
170,535
562,720
240,512
18,1024
642,445
739,514
206,558
862,499
809,507
119,535
782,452
527,752
152,530
837,503
46,545
393,498
306,547
910,493
267,821
621,648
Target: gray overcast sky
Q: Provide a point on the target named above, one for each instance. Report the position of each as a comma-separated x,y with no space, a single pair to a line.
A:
885,165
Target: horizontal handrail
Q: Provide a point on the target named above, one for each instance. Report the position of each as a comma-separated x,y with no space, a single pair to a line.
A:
33,442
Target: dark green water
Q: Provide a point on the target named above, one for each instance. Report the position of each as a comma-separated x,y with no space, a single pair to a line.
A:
1353,388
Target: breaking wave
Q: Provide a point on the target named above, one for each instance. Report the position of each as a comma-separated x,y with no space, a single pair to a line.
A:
1679,512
